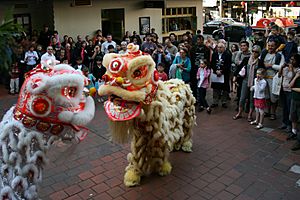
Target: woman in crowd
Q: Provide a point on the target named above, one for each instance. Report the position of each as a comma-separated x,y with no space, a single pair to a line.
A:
247,73
181,66
65,41
71,42
287,71
234,50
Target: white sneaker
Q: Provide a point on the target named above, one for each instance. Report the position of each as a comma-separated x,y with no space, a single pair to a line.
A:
259,126
253,123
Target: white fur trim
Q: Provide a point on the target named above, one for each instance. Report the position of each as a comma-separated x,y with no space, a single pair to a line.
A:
40,154
66,116
33,168
40,85
6,191
56,83
17,181
31,193
63,67
85,116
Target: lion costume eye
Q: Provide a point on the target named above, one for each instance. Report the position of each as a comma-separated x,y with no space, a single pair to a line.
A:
69,92
139,73
116,66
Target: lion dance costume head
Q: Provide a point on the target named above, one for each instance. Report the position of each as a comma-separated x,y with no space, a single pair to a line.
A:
51,106
158,116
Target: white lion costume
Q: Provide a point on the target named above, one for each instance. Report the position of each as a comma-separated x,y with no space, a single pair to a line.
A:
51,106
158,116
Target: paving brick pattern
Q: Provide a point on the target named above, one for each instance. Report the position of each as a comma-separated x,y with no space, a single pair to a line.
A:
230,160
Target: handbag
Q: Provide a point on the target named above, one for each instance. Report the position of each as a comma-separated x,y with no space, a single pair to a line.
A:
276,84
242,73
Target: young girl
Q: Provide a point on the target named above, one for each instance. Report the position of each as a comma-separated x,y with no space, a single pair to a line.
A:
259,88
203,83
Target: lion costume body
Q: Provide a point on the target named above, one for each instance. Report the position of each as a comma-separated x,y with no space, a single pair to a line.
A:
158,116
51,106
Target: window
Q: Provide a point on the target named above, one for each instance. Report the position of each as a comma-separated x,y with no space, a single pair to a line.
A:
179,20
25,21
82,2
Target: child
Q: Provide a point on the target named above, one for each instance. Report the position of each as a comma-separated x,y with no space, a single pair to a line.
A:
79,64
111,49
259,89
91,79
161,72
14,78
98,71
203,83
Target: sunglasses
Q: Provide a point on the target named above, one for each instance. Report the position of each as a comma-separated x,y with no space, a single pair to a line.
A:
49,49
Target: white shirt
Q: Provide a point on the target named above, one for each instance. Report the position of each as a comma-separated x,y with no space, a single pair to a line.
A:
270,59
259,88
105,46
46,56
31,57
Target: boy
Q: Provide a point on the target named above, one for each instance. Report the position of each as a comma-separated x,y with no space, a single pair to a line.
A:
290,47
162,75
79,64
111,48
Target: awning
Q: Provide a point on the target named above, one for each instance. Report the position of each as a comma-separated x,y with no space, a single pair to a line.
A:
280,21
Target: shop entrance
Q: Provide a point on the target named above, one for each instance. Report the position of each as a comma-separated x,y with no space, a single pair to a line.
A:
113,23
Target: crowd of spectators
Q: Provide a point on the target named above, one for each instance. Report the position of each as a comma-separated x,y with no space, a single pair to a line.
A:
259,75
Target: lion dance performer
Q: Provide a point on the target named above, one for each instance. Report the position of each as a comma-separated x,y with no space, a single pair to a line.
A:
158,116
51,106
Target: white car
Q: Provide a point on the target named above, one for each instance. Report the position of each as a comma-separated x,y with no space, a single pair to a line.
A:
231,21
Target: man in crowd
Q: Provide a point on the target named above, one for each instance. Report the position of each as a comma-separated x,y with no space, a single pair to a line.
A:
48,55
172,49
221,63
272,61
45,36
148,45
173,40
79,41
109,41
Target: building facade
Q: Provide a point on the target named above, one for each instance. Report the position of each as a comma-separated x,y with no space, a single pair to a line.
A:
84,17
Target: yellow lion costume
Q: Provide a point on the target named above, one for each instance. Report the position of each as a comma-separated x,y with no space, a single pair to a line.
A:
158,116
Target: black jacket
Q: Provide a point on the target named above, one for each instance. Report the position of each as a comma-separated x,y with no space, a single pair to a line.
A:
223,64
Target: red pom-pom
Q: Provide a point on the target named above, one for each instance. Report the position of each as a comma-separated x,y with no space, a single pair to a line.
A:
155,76
106,78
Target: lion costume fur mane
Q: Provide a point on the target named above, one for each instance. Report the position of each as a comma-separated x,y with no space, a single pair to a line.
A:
51,106
157,116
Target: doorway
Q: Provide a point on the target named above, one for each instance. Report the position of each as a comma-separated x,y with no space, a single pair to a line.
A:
113,23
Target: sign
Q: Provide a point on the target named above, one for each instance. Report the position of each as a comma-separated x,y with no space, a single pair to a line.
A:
209,3
144,25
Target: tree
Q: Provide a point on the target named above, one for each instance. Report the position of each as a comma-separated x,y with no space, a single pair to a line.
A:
9,30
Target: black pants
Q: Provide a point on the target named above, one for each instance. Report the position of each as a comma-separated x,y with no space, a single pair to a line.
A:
201,96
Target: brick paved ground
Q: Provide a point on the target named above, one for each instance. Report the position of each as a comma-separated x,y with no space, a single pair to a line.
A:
231,160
